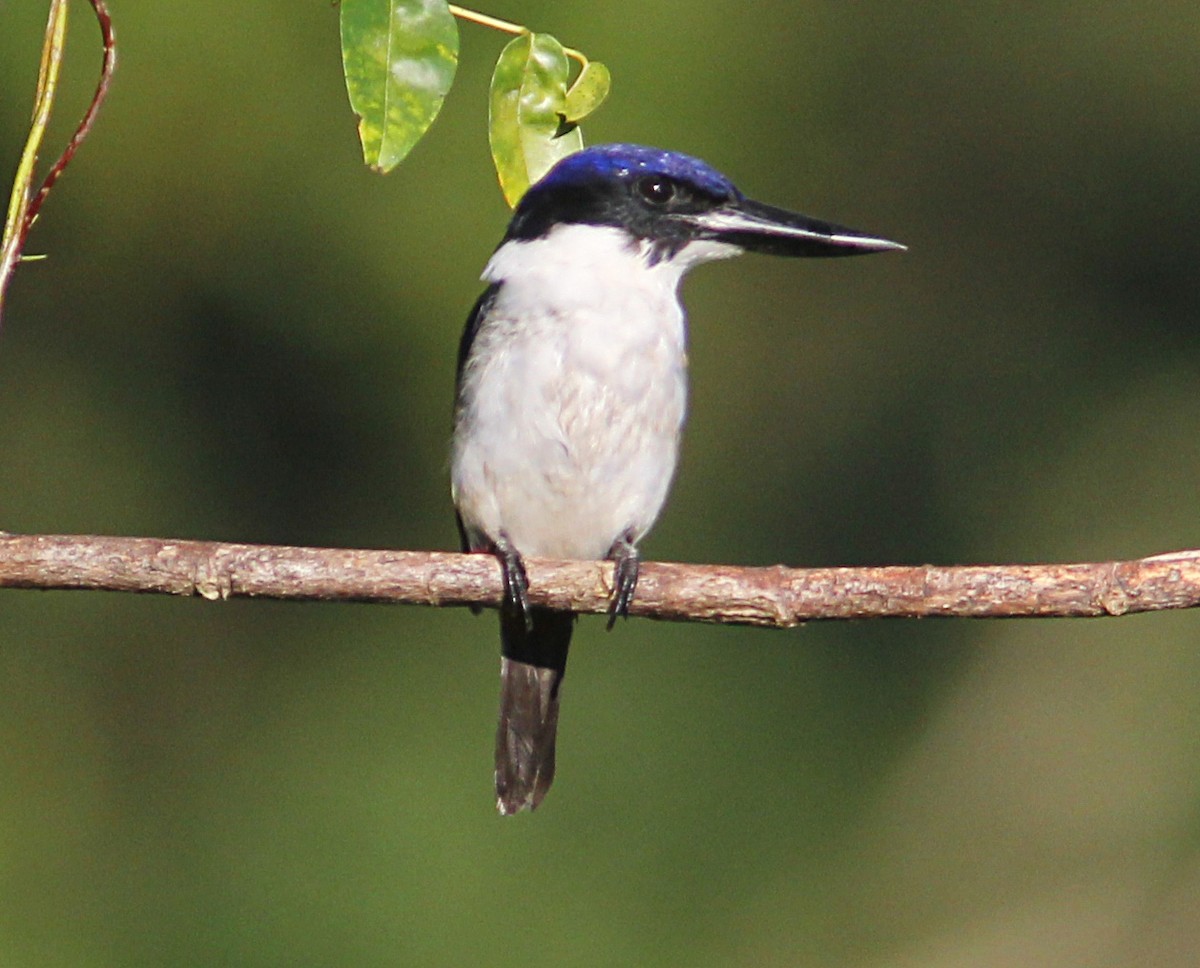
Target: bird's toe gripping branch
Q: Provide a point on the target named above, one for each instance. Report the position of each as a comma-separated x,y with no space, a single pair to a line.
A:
624,555
516,581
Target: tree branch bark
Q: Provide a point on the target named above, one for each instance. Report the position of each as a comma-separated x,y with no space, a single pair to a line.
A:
775,596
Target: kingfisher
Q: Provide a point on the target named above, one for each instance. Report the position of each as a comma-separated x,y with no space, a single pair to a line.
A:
572,390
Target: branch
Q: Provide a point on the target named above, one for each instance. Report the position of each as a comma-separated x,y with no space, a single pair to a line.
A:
774,597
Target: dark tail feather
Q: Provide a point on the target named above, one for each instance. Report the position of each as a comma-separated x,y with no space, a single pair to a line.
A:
532,665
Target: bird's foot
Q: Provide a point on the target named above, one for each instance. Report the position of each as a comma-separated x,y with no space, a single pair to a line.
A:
516,582
624,555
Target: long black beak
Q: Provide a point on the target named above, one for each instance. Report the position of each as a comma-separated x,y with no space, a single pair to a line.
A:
756,227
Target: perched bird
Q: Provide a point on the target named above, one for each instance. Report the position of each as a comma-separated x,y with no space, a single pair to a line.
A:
572,390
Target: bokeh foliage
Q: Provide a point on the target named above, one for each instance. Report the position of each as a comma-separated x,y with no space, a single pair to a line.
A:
242,334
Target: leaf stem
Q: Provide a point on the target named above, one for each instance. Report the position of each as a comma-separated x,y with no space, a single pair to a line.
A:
485,21
507,27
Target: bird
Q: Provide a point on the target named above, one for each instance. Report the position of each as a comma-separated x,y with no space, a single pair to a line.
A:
571,393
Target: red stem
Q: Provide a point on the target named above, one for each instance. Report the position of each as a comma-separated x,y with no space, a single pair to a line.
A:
107,67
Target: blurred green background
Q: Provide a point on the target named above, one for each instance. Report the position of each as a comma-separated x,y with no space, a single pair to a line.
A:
242,334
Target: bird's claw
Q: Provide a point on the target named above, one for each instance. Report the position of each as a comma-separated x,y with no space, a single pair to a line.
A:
625,560
516,581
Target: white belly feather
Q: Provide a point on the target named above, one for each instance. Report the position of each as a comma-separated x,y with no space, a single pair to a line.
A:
573,396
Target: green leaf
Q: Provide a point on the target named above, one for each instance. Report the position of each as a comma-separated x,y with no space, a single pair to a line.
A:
399,58
588,92
528,102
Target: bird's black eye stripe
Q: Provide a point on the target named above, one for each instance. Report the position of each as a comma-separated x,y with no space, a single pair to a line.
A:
657,190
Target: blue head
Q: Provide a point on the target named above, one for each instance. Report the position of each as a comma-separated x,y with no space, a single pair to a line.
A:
671,199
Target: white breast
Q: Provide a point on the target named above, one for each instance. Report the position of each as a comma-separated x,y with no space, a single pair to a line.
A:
573,397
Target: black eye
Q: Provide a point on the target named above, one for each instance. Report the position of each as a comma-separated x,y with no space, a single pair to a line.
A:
656,190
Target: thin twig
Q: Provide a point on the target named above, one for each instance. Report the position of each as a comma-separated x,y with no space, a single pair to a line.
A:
107,66
18,220
774,597
23,209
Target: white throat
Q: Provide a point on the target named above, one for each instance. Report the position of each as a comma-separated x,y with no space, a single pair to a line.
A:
588,264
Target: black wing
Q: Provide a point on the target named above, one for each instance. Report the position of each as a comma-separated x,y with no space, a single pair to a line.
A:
480,310
474,320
